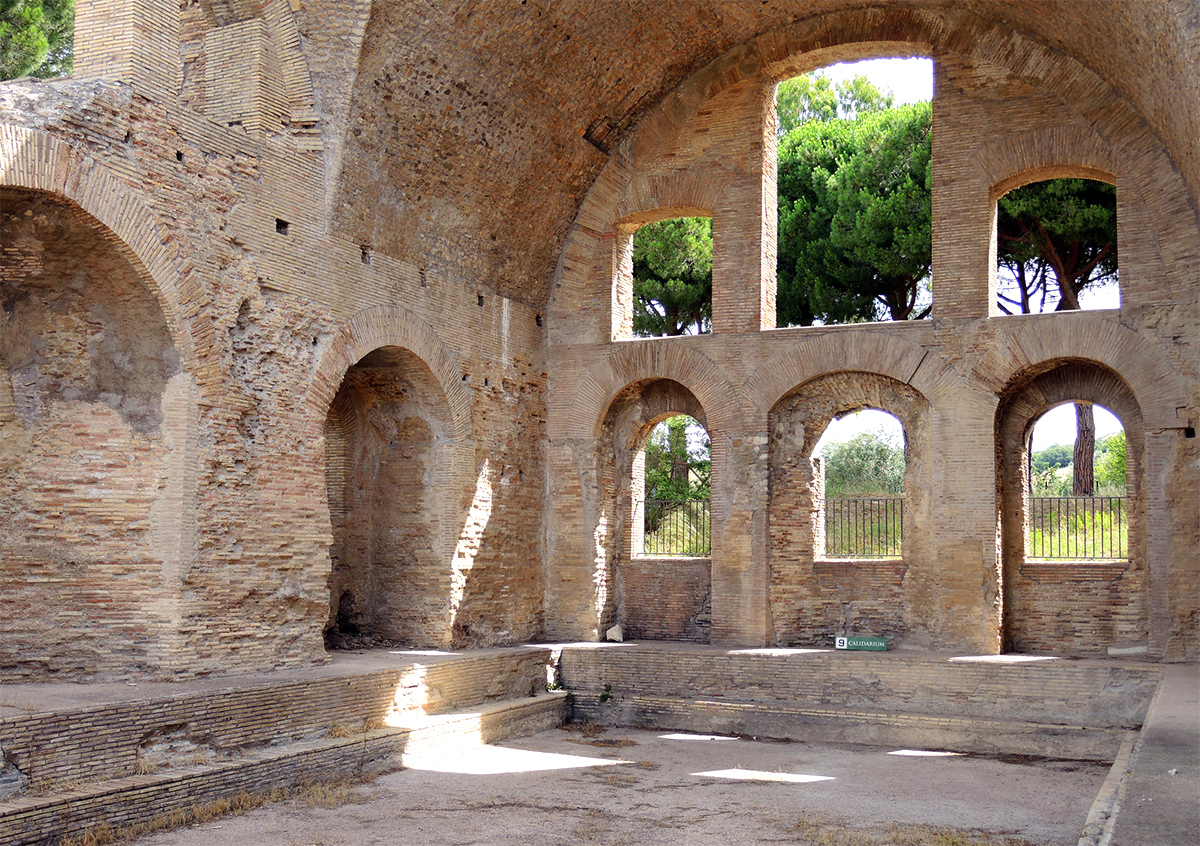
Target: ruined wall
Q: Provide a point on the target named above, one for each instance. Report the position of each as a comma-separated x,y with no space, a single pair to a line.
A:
355,179
266,312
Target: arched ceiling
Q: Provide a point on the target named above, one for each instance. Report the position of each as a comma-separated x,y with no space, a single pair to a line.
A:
456,133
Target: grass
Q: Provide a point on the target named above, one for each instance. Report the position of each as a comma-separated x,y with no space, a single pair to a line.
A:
824,830
1078,528
678,528
310,794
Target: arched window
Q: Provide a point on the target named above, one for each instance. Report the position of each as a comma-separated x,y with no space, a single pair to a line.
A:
672,512
854,189
1078,509
1056,247
859,466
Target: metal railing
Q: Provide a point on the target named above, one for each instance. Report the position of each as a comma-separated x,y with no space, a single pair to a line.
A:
864,527
676,527
1083,528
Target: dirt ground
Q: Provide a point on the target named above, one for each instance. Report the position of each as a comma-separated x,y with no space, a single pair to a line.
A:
617,786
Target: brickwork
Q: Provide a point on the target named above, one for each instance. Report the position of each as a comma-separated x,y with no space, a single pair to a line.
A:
98,743
1101,694
355,179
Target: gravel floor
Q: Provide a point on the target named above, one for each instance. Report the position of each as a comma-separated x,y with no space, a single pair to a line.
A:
617,786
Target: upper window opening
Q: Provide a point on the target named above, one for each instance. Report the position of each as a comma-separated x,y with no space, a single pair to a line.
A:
678,488
1078,507
861,457
1056,247
855,192
672,278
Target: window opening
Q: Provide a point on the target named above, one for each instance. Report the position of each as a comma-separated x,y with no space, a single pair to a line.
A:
675,513
855,238
1078,507
1056,247
859,466
672,278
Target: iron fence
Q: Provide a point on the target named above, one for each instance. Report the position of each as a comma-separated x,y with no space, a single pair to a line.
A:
676,527
864,527
1083,528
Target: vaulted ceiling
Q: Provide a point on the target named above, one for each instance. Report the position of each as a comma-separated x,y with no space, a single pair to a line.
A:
457,134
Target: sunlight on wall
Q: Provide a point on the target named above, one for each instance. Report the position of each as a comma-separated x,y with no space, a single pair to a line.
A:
472,536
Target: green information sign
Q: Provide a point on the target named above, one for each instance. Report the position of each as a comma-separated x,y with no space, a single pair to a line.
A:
871,644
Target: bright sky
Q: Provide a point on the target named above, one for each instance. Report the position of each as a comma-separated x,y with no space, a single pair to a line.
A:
1056,426
911,80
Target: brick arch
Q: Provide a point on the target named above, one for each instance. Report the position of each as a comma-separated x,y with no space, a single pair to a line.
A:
1018,158
878,351
1078,608
390,326
582,414
36,161
1029,347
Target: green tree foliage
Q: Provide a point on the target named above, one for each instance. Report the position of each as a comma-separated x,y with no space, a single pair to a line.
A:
1054,239
1110,465
678,460
1052,469
1052,458
870,463
672,277
36,38
814,96
855,218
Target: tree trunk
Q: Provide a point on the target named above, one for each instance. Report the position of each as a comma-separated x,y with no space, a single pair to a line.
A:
1084,475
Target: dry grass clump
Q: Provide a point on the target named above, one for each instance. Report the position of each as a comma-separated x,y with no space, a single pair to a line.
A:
310,794
822,830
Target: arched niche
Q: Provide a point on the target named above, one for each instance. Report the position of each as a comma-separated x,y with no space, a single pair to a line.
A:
390,451
96,419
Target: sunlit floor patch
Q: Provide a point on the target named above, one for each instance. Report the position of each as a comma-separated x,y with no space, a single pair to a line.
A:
695,737
1004,659
776,653
758,775
497,760
925,753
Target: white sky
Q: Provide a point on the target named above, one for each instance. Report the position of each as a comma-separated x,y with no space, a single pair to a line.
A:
911,80
1056,426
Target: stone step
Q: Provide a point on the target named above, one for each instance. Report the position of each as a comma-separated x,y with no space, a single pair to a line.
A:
110,739
1092,694
980,735
141,800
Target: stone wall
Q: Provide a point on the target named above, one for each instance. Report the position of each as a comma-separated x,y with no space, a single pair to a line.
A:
228,234
197,528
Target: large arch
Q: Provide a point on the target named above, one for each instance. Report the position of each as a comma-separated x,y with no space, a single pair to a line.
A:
400,478
93,553
814,599
1069,607
1115,133
659,598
